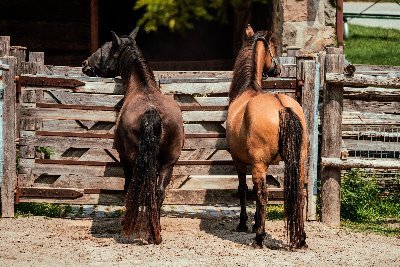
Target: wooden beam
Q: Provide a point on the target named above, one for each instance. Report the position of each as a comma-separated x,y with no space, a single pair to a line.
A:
9,126
363,80
332,139
360,163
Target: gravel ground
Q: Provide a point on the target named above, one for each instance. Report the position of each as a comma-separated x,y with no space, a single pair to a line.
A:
196,239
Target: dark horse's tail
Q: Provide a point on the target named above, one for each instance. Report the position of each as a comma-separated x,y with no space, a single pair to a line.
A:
142,211
290,144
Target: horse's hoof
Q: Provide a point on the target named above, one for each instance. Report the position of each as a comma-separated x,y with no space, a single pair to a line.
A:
256,245
158,241
242,228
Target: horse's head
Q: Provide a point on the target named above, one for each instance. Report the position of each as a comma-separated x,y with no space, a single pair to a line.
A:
266,52
104,62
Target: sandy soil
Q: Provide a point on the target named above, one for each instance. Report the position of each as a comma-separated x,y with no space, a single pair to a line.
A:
195,241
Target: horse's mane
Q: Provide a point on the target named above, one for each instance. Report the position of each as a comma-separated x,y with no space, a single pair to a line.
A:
244,70
132,57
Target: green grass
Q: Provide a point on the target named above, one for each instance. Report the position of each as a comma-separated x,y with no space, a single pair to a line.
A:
373,46
365,207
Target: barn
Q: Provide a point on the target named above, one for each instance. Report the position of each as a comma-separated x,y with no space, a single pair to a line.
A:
69,30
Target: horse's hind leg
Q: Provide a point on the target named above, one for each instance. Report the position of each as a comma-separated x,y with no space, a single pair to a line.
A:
128,172
260,188
241,170
165,179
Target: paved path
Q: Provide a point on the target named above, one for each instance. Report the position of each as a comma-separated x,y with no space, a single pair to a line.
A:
380,8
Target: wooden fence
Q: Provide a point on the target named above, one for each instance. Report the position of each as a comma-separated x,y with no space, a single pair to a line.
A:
65,124
368,112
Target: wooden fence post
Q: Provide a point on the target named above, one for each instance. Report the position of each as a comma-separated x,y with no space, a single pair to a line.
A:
4,46
309,74
9,153
332,139
38,58
20,53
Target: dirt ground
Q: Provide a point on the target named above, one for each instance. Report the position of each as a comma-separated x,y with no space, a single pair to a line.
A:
187,241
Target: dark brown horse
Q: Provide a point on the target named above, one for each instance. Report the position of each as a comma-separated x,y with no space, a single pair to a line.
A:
148,134
263,128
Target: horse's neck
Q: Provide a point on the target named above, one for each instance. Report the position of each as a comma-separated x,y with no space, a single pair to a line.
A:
260,57
140,81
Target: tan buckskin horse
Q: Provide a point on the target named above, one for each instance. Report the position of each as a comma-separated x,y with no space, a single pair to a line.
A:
148,133
263,128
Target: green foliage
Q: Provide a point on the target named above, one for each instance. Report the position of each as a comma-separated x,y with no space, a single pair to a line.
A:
46,151
275,212
42,209
362,199
371,45
180,15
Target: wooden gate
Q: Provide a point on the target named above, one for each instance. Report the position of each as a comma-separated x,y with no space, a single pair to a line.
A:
66,149
65,126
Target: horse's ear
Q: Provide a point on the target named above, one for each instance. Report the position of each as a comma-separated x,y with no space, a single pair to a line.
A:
133,34
116,41
249,31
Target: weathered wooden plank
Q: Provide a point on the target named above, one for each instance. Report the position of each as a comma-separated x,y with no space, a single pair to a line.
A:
367,145
309,99
219,116
192,74
392,107
20,53
288,70
78,181
9,126
109,116
38,59
72,114
75,126
29,166
195,88
372,94
28,138
360,163
378,68
375,133
367,118
363,80
4,46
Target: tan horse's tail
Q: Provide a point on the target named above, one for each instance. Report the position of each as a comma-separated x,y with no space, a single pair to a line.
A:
142,210
290,148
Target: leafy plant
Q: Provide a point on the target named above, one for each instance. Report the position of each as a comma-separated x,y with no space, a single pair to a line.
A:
46,151
42,209
362,199
179,15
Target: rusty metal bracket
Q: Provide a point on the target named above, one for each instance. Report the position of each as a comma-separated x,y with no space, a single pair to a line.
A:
274,83
44,192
